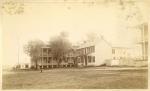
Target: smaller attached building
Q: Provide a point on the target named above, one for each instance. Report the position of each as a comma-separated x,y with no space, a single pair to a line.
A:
22,66
85,54
121,56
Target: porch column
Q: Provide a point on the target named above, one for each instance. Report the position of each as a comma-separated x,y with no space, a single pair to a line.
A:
52,61
66,61
42,59
87,60
83,60
70,61
47,58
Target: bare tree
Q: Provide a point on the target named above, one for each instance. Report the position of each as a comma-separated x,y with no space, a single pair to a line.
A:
59,45
33,49
91,36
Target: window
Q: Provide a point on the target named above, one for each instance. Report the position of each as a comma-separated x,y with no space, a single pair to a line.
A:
90,49
121,57
49,51
113,51
87,50
93,59
84,51
79,60
45,58
26,66
114,58
93,49
82,61
89,59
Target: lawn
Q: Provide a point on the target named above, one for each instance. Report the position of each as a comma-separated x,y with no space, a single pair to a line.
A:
74,78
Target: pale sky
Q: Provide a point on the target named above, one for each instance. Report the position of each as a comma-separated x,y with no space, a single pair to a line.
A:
42,21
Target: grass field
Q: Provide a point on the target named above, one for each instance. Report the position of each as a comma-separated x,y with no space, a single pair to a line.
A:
73,78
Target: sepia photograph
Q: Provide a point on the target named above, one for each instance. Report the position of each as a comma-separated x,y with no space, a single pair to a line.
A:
74,44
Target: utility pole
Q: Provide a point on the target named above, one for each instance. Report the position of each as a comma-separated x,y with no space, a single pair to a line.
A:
18,40
18,53
41,60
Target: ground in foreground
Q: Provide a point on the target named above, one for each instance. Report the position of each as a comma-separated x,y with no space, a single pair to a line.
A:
74,78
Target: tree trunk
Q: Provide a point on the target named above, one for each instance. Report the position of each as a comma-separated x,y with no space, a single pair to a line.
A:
35,60
58,63
36,65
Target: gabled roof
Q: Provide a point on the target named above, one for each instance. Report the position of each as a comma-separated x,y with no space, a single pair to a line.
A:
93,43
45,46
87,44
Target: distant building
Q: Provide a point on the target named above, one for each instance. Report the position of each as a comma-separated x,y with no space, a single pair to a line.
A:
144,40
142,43
121,56
22,66
120,53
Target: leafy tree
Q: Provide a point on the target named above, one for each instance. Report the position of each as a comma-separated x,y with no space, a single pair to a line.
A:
59,45
33,48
